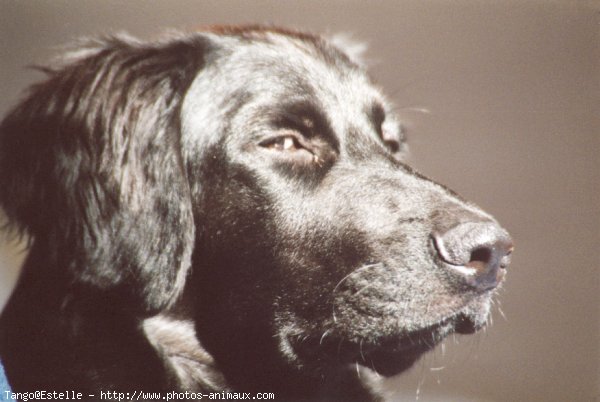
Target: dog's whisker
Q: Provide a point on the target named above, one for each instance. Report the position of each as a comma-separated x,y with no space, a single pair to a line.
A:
419,386
360,348
500,310
370,285
418,109
375,369
356,272
323,336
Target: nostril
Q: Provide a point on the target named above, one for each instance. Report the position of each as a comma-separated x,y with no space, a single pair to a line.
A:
480,258
482,254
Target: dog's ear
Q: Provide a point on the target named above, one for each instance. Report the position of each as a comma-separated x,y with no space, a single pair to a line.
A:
91,167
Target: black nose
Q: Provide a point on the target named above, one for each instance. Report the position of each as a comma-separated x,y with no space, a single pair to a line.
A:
479,251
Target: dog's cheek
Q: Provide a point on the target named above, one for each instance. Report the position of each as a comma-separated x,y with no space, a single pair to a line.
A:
313,262
235,248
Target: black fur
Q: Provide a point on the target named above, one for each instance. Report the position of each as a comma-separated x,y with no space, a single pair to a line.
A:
222,210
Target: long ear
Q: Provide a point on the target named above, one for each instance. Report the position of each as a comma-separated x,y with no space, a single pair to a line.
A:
91,167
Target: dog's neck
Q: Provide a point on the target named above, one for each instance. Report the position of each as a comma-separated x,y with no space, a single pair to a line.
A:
193,368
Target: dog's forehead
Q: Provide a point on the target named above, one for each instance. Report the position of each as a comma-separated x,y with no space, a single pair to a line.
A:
274,69
283,63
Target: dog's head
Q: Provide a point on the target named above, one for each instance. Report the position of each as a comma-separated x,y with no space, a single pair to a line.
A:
314,240
269,163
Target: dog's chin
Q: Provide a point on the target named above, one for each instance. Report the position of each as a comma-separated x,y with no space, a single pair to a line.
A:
393,357
386,356
391,354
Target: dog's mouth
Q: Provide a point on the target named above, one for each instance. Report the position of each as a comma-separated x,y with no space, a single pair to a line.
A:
392,357
388,356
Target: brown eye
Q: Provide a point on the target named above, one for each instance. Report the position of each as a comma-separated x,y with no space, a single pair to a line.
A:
293,149
392,144
283,143
392,135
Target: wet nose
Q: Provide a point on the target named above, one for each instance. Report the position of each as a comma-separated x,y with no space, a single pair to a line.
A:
478,251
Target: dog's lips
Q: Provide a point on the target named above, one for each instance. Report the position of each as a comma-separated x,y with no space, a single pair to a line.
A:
389,363
389,355
392,356
466,325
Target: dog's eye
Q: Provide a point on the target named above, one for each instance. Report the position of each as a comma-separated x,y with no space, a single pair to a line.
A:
283,143
294,148
392,144
392,135
389,131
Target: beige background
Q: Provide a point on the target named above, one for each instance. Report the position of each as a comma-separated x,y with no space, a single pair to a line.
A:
512,90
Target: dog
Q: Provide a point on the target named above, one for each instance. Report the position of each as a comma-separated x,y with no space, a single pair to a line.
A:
229,210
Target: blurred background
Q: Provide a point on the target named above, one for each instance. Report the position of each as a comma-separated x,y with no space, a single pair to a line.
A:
502,104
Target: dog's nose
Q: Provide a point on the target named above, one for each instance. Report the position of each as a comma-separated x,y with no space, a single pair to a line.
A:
479,251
